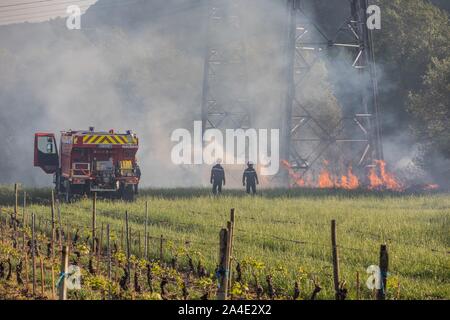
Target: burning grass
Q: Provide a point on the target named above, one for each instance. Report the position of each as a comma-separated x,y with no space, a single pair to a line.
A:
378,178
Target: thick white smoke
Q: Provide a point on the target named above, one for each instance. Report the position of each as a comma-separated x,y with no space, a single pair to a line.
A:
137,66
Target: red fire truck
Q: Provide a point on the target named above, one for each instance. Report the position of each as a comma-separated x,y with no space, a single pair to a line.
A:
90,161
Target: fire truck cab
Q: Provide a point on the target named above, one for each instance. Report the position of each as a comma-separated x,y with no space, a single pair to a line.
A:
90,161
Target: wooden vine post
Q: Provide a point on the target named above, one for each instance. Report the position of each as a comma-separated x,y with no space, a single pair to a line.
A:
24,221
335,260
27,280
16,203
139,244
145,232
52,240
14,222
33,251
358,289
100,248
101,239
130,235
147,242
223,264
60,229
384,266
128,247
41,260
121,238
108,252
94,221
64,270
161,252
230,246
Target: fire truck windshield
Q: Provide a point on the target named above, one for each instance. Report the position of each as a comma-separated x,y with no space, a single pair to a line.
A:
46,145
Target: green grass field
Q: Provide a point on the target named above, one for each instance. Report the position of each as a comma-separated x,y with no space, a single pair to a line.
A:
288,231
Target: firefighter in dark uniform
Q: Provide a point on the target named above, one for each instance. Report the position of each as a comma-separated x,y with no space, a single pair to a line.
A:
137,170
250,178
217,177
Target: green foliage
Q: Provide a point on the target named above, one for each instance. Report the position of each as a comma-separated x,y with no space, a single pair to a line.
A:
412,50
151,296
204,283
120,257
83,249
8,251
96,283
240,290
413,32
430,108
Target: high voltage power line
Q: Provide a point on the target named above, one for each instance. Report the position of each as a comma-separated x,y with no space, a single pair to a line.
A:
25,3
44,14
48,12
43,6
35,14
54,12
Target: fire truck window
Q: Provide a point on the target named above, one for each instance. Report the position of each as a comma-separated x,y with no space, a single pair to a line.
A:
46,145
79,152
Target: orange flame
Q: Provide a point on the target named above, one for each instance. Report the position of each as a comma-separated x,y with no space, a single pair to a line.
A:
379,178
294,175
350,181
325,181
385,180
374,180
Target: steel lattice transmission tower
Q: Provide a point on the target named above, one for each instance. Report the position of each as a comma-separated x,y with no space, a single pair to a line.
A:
356,134
225,103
